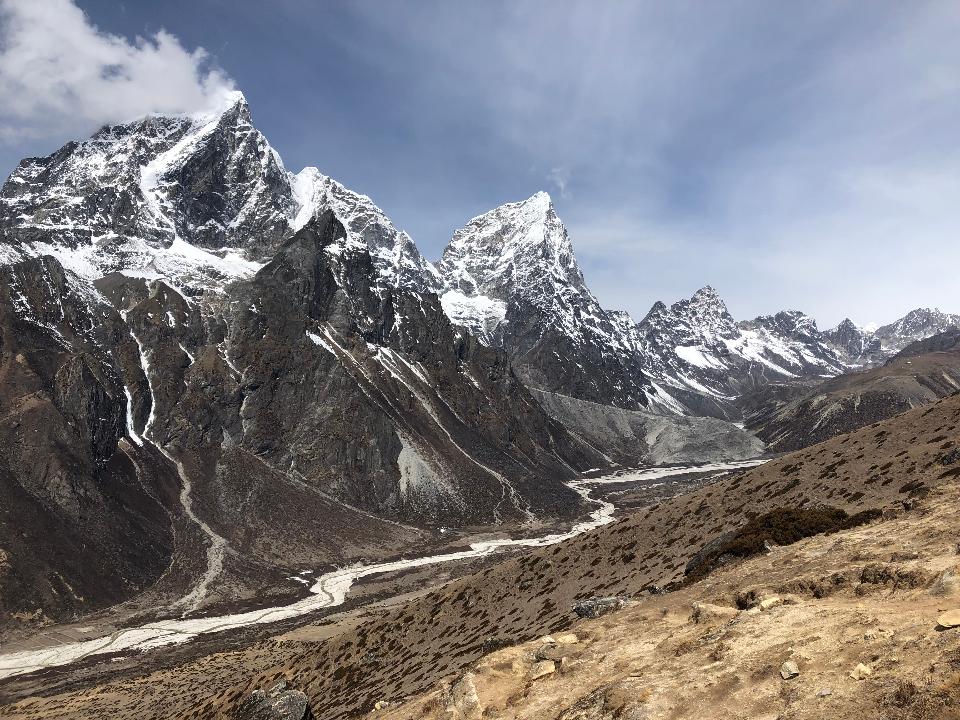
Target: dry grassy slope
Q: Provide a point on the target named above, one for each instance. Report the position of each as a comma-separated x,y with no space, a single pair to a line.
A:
868,596
411,649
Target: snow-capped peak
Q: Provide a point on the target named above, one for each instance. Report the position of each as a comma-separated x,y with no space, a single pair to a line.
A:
204,188
393,251
697,353
520,247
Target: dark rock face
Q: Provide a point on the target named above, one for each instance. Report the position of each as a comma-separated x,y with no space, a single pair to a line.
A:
384,416
81,525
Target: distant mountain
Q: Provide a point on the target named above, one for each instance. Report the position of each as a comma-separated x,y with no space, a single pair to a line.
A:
863,346
945,341
511,277
921,373
695,352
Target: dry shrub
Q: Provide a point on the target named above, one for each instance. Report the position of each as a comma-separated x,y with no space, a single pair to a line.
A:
782,526
934,701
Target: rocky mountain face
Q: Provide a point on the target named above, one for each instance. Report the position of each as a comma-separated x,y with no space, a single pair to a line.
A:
217,372
85,515
695,352
864,346
510,276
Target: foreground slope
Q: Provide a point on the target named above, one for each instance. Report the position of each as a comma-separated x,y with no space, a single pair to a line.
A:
414,647
855,613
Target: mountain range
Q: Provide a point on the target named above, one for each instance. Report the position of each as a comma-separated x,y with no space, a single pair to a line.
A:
215,370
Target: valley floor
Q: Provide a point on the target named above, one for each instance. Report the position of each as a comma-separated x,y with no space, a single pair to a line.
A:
79,656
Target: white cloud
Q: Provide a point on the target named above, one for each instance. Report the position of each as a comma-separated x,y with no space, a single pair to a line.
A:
559,177
60,75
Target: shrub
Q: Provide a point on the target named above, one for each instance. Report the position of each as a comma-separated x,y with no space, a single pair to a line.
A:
782,526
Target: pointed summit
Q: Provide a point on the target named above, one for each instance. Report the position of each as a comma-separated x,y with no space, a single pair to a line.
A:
516,247
706,306
511,276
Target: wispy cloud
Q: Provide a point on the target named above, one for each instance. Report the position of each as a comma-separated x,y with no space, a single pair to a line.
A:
559,177
61,76
801,157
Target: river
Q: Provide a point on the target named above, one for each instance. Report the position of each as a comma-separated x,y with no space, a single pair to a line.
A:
330,589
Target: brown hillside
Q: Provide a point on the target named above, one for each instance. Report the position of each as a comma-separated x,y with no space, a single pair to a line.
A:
850,401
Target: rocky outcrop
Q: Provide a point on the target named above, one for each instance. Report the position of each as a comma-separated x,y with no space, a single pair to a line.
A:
278,703
598,606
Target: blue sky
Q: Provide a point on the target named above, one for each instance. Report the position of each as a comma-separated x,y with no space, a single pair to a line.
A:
793,155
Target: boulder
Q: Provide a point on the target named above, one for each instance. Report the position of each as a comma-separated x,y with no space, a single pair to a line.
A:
550,652
277,703
770,602
949,619
704,613
861,672
464,700
542,669
789,670
598,606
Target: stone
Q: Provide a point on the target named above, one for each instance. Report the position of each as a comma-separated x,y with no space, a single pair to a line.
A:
567,639
464,699
708,613
947,584
825,692
789,670
598,606
949,619
277,703
550,652
542,669
861,672
770,602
